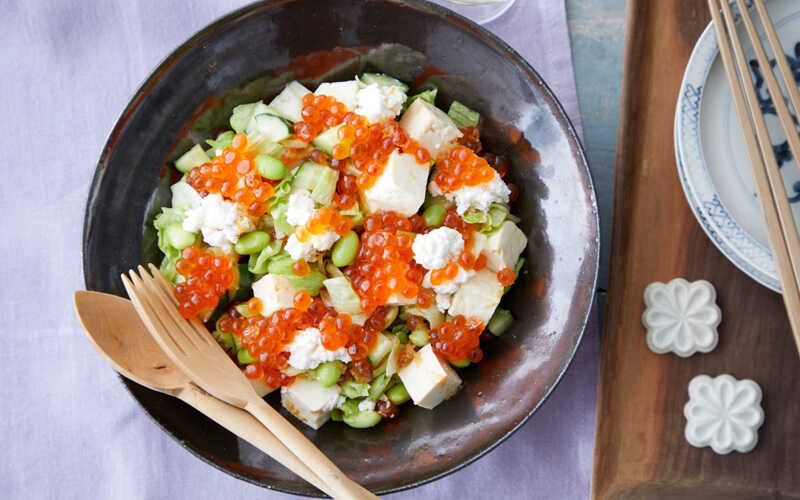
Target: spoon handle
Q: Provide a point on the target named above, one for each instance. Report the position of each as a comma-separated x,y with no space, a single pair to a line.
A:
248,428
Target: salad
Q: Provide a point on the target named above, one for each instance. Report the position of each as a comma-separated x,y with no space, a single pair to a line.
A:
349,246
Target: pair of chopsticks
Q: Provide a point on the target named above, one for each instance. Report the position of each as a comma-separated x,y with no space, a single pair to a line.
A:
769,185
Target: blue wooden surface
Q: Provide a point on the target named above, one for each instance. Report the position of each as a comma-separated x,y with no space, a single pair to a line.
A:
597,35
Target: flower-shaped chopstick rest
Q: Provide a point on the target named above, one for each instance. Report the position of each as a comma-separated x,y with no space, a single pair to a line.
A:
681,317
723,413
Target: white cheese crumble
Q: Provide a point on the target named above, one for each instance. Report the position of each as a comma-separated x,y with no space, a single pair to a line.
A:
366,405
306,351
478,197
221,221
336,402
312,249
443,301
448,287
435,249
300,208
377,103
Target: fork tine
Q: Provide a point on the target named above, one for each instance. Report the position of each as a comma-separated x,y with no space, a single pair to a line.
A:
151,320
166,288
167,311
777,51
772,83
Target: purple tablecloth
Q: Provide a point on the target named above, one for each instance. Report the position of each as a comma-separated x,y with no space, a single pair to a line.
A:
68,428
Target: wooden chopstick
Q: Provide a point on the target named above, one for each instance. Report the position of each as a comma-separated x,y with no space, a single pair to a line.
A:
769,184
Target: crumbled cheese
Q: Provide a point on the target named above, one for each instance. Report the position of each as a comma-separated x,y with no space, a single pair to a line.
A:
306,351
443,301
336,402
366,405
312,249
377,103
300,208
448,287
435,249
221,221
478,197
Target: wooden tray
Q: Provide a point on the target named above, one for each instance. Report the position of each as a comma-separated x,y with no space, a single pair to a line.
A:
640,450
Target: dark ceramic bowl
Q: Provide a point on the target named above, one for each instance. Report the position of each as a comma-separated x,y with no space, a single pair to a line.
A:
245,56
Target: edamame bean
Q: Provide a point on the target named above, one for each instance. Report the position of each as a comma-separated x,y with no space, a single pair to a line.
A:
251,243
434,215
177,237
362,419
398,394
329,373
419,337
460,364
345,250
271,168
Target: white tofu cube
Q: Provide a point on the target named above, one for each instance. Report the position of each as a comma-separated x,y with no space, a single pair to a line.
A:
479,243
400,187
289,103
397,299
275,292
430,126
344,92
428,379
478,297
504,246
309,401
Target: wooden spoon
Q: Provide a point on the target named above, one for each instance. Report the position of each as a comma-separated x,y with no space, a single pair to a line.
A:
118,334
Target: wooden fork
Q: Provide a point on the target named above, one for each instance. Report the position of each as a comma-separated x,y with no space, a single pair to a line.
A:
194,350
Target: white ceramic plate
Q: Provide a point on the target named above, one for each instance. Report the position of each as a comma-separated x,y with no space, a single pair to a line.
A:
712,162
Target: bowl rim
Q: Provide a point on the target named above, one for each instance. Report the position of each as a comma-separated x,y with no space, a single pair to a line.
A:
420,5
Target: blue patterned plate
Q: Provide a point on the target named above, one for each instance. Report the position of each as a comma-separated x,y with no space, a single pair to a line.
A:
712,162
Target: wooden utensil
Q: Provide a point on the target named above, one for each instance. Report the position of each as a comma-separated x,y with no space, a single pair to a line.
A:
769,183
194,350
114,328
640,449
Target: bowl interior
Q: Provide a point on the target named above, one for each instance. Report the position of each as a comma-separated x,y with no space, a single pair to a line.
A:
249,55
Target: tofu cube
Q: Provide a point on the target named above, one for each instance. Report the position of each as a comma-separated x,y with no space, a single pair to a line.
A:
428,379
430,126
275,292
397,299
289,103
400,187
479,243
309,401
504,246
344,92
478,297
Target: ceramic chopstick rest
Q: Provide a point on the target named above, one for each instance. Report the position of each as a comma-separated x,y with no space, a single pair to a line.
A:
681,317
723,413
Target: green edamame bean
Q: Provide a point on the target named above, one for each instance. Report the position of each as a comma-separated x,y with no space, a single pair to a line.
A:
398,394
419,337
177,237
434,215
362,419
460,364
271,168
329,373
251,243
345,250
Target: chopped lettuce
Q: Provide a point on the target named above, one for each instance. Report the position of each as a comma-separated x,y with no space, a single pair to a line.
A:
428,96
491,219
258,263
222,141
342,296
352,389
462,115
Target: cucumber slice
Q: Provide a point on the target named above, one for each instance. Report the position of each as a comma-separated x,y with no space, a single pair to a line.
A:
177,237
462,115
270,167
244,357
289,103
382,348
268,127
226,339
383,80
327,139
242,115
318,179
192,158
500,321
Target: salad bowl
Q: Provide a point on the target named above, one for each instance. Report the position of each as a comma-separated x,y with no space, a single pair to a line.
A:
251,54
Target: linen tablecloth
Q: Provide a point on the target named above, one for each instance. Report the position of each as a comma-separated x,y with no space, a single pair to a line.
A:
68,428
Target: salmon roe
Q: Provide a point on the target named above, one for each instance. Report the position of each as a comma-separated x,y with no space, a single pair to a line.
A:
324,220
471,138
319,112
458,339
369,146
506,276
208,277
233,175
346,195
300,268
383,265
461,167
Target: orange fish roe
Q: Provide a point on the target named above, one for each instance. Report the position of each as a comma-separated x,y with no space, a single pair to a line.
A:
324,219
383,265
255,306
319,112
506,276
369,146
300,268
208,277
453,221
302,300
458,339
461,167
338,330
346,191
480,262
234,176
292,157
471,138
